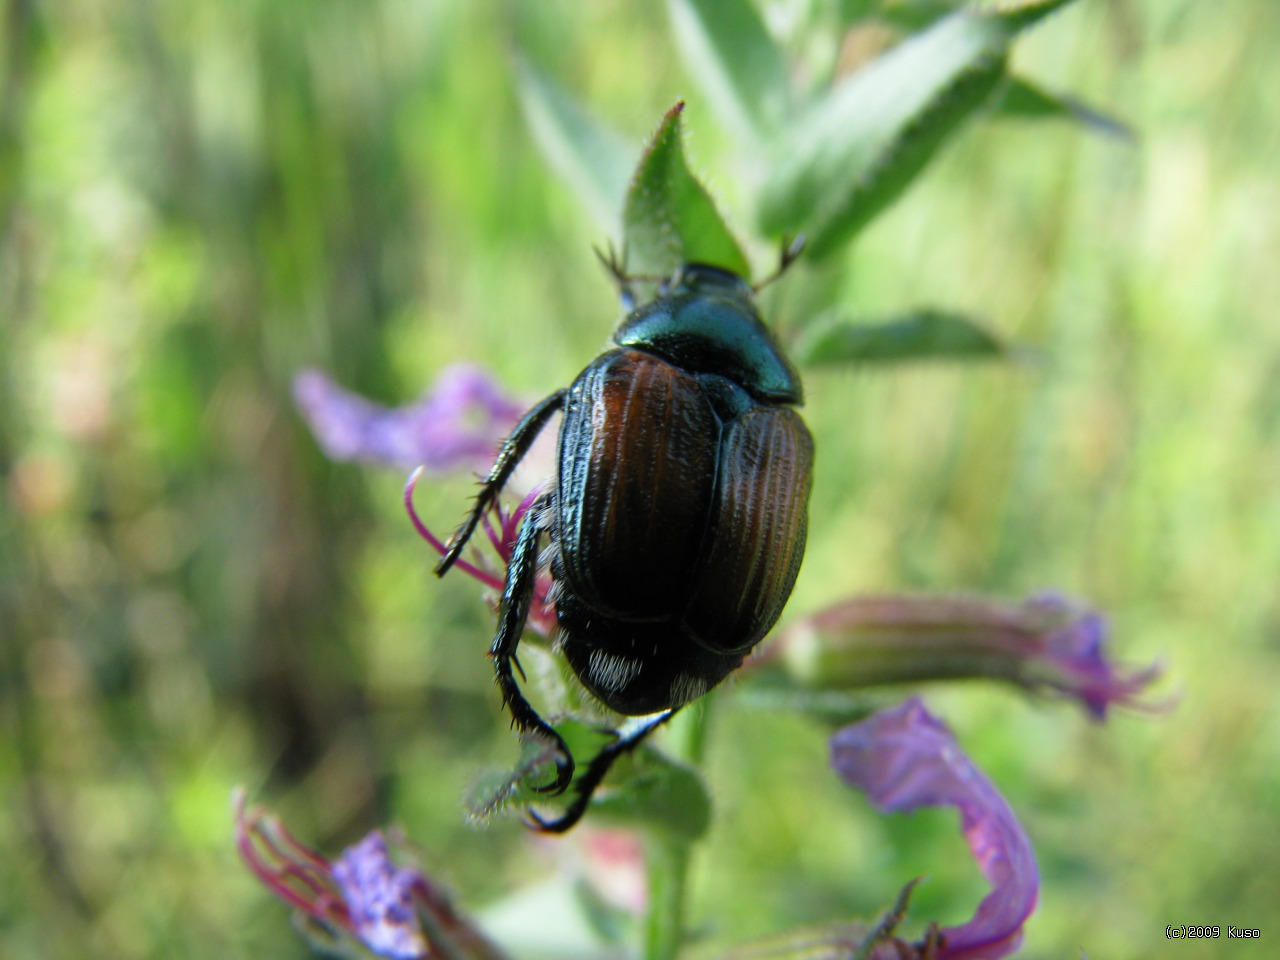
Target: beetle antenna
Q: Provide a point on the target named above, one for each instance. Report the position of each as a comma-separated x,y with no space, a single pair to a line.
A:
790,253
615,264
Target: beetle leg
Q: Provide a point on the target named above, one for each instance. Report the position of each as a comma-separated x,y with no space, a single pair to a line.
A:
522,572
595,773
509,455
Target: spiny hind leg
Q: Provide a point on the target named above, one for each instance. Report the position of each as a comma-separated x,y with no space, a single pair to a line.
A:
517,595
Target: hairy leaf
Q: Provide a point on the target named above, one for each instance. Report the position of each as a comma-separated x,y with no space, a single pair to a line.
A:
1023,99
590,157
659,793
922,335
857,148
669,218
733,58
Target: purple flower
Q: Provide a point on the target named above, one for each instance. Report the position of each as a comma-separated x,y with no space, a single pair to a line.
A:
458,424
1043,643
1074,661
904,758
395,912
380,898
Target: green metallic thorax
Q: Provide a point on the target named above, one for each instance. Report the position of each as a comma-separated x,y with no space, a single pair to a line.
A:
707,322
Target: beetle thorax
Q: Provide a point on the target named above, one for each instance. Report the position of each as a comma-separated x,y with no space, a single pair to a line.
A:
710,326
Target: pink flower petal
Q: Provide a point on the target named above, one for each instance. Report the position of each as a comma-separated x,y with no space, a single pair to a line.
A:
904,758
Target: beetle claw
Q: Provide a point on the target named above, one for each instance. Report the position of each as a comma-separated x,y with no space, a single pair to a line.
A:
559,824
448,559
453,548
564,774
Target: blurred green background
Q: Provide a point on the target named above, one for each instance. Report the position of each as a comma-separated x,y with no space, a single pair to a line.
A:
197,200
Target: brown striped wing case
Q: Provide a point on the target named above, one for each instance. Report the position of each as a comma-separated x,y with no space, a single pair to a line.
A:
680,525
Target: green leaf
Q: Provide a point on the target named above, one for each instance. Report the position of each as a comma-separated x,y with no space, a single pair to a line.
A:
922,335
912,15
494,792
730,53
647,788
1022,99
1018,17
659,793
669,218
849,12
593,159
856,149
607,921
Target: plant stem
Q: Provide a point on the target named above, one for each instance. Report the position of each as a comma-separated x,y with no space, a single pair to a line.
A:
669,853
668,872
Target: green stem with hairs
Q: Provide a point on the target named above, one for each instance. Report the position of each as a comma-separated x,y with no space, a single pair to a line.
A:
669,853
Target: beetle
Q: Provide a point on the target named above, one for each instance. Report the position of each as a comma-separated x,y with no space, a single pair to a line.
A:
677,518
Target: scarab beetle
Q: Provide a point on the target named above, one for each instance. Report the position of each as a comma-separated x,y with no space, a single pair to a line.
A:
677,519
